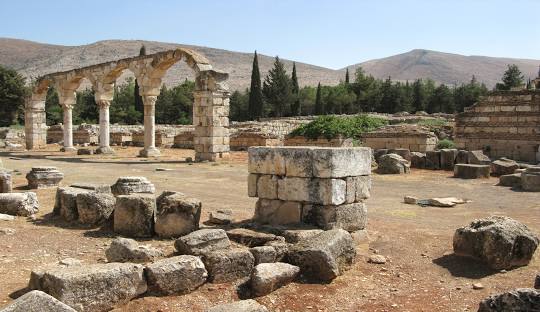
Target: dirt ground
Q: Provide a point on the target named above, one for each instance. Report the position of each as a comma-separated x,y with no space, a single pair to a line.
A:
421,274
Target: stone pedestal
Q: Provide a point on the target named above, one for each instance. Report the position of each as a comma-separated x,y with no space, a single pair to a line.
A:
320,186
44,177
150,149
211,121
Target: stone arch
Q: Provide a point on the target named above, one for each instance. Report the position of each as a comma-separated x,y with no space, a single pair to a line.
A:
210,111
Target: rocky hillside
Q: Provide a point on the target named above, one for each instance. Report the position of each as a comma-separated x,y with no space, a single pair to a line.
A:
445,67
33,59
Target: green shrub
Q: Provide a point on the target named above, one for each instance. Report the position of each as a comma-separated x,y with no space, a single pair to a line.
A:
445,144
332,126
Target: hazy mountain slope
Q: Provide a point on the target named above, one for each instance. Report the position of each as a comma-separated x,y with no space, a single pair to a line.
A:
445,67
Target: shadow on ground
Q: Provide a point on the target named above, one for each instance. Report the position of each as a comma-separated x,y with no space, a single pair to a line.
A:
464,267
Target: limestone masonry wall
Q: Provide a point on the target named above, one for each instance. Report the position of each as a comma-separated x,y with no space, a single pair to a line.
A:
412,137
502,124
325,187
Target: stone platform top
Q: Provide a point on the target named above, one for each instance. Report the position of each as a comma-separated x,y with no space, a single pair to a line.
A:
400,130
35,169
307,162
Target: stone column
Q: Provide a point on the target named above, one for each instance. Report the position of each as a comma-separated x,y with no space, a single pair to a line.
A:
68,128
150,149
211,121
104,133
35,127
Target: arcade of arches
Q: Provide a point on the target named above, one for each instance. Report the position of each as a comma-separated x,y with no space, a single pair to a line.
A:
210,111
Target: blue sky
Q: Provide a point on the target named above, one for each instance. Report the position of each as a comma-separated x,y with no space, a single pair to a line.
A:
327,33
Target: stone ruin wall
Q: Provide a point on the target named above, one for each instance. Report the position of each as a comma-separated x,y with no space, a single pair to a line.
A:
502,124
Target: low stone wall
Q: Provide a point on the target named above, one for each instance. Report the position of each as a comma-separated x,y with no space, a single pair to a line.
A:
241,141
502,124
184,140
411,137
323,142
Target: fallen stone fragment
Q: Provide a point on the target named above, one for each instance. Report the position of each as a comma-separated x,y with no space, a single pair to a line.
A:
349,217
462,157
44,177
221,217
403,152
445,201
393,164
128,250
163,169
324,256
181,274
281,247
293,236
511,180
477,286
498,241
130,185
521,299
7,231
37,274
249,305
6,217
96,287
96,187
37,301
471,171
478,158
228,265
177,214
267,277
418,160
530,179
19,204
264,254
85,151
95,208
251,238
66,202
411,200
377,259
448,158
433,160
134,215
6,185
202,241
503,166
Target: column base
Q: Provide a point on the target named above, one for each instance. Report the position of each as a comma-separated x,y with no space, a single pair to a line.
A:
68,149
104,150
149,152
211,156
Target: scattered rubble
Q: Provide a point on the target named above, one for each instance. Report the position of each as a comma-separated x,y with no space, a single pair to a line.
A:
128,250
521,299
19,204
35,301
267,277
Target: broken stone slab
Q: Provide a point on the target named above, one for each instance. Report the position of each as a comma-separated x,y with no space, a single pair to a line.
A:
264,254
44,177
128,250
268,211
251,238
131,185
350,217
202,241
478,158
85,151
325,256
6,184
411,200
393,164
511,180
530,179
66,202
96,187
134,215
418,160
433,160
95,287
248,305
462,157
228,265
37,273
19,204
444,201
307,162
221,217
267,277
180,274
95,208
293,236
378,153
177,214
521,299
498,241
471,171
448,158
403,152
503,166
6,217
37,301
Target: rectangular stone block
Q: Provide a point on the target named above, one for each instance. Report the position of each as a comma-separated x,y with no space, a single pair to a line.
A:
267,186
252,184
316,191
349,217
358,189
278,211
266,161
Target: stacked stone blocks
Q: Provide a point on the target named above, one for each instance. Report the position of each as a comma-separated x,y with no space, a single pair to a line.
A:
211,121
321,186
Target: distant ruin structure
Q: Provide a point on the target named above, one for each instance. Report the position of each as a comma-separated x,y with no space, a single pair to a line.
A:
210,111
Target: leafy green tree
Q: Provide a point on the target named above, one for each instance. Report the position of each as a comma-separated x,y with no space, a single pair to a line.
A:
239,103
139,105
319,109
441,101
418,96
52,107
85,109
12,95
512,78
295,89
175,105
255,104
277,89
122,106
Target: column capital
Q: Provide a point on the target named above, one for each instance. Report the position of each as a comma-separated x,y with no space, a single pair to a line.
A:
103,104
67,106
149,99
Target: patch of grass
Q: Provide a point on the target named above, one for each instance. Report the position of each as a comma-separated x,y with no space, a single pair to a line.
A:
331,127
445,144
432,122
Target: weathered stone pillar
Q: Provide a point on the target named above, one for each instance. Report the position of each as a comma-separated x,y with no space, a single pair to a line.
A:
104,133
35,127
68,127
211,121
150,149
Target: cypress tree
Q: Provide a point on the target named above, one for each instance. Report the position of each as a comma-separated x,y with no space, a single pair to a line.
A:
139,105
255,104
295,88
318,102
347,76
